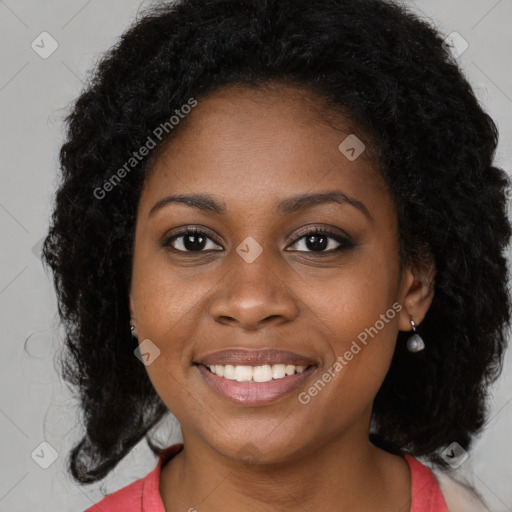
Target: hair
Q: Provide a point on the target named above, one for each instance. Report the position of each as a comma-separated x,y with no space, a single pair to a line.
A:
387,69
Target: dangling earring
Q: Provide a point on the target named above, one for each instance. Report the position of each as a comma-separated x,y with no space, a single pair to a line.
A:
133,338
415,342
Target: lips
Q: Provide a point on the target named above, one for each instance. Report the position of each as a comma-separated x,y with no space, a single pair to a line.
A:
254,393
242,376
237,357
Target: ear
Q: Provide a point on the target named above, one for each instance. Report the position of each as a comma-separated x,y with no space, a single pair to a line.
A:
416,293
133,313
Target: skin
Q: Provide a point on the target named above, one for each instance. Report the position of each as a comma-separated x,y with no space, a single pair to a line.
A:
251,149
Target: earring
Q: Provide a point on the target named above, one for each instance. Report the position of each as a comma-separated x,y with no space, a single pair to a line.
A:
415,342
133,338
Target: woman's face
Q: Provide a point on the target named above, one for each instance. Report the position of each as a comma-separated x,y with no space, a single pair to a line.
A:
262,166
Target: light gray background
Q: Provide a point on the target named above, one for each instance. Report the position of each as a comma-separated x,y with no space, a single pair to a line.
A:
35,406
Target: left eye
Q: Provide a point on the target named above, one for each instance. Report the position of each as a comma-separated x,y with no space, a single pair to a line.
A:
322,241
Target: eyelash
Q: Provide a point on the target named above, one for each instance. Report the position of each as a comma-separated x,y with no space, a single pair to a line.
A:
344,241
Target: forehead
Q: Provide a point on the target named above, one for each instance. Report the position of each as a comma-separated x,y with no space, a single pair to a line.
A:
245,142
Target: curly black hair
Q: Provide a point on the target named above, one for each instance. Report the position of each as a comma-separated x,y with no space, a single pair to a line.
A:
390,71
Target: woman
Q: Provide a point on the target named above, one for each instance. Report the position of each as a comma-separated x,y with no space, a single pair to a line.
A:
293,209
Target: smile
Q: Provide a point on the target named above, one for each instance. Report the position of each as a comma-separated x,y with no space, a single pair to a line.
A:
265,373
254,386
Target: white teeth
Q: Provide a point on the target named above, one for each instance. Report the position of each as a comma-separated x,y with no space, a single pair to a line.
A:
264,373
229,372
289,369
243,373
279,371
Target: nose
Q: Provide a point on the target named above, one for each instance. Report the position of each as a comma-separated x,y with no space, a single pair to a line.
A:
252,296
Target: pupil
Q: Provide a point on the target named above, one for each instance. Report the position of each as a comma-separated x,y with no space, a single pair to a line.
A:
316,242
196,244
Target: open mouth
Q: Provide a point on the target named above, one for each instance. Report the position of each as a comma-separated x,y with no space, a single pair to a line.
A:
255,385
255,377
261,373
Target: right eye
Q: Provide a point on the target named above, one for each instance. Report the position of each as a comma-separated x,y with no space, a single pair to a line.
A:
190,240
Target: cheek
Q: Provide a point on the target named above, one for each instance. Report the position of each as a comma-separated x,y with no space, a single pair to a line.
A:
354,296
165,301
359,313
166,307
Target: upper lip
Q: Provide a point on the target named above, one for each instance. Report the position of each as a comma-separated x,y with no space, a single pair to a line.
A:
254,357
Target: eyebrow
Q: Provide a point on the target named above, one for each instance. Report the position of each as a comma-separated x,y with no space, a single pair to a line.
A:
293,204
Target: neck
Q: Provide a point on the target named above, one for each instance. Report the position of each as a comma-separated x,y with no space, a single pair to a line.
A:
347,473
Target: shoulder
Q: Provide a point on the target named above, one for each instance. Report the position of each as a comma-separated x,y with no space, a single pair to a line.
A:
446,492
459,496
126,499
142,495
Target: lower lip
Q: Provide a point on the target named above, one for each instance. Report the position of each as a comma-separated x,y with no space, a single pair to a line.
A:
254,393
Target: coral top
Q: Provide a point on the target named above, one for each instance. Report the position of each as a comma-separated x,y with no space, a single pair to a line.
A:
143,495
